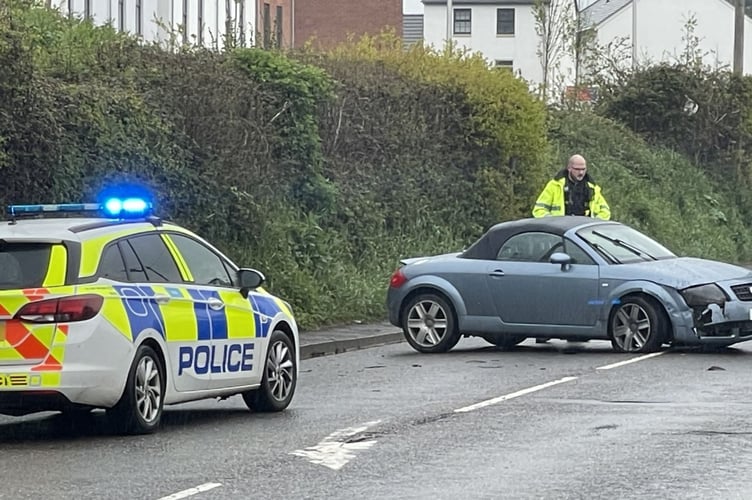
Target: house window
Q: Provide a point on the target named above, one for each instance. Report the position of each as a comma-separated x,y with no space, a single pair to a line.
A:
267,25
121,15
505,21
139,17
462,21
279,26
200,19
505,64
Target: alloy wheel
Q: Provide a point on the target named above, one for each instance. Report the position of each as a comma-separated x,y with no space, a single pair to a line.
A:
427,323
279,370
631,327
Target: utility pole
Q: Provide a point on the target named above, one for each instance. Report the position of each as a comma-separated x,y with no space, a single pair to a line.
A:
634,34
739,38
450,21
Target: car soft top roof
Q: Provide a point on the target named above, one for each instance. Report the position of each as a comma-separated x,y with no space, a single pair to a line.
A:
487,246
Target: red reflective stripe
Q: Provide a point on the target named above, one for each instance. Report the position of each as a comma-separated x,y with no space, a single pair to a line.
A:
49,365
23,341
35,293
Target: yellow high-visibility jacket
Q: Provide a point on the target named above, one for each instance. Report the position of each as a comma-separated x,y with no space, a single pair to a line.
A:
551,199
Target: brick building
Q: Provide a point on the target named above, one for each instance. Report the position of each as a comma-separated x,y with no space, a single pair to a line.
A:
329,22
274,23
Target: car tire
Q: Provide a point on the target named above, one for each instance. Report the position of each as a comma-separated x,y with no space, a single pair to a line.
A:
139,410
280,376
505,342
429,324
637,325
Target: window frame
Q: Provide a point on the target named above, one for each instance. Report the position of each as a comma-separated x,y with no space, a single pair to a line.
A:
462,22
529,233
501,23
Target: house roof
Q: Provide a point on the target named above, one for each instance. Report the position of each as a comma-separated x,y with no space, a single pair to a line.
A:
598,12
500,3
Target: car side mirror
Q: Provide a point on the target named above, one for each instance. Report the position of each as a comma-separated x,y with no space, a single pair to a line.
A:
562,259
249,279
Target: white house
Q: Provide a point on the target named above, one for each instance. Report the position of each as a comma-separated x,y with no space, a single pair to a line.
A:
659,28
504,31
202,22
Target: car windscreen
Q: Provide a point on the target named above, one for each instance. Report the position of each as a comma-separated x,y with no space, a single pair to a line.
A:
23,265
622,244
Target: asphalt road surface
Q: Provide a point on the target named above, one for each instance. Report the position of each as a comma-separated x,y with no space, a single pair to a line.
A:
542,421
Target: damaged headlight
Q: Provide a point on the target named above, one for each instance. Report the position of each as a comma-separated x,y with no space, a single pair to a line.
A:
704,295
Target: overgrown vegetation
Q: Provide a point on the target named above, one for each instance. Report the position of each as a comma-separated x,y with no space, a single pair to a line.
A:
322,169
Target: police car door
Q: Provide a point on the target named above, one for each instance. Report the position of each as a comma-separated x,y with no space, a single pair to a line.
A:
224,316
157,299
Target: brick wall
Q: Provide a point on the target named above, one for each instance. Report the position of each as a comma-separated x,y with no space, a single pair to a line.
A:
267,24
330,21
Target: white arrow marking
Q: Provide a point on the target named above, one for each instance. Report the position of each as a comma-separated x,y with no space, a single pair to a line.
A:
334,451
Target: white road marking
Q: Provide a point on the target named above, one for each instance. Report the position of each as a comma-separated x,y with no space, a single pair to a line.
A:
334,451
513,395
192,491
628,361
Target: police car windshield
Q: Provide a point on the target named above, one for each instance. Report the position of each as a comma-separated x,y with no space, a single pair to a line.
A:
23,265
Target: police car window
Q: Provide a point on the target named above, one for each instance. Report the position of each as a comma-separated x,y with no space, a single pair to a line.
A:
156,261
23,265
530,247
578,254
112,266
206,266
133,266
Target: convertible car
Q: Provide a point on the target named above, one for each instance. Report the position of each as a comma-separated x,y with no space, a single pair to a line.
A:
569,278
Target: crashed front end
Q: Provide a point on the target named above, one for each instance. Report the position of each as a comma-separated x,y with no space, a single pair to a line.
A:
721,312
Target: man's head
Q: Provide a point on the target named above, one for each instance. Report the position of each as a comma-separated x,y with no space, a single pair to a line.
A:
577,168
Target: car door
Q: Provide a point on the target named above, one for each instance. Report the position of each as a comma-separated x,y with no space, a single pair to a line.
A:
151,289
225,316
528,289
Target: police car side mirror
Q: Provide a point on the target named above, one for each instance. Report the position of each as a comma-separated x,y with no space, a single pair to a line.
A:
249,279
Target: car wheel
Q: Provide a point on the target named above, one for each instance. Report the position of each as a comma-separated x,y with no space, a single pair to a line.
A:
280,376
506,341
139,410
429,324
637,325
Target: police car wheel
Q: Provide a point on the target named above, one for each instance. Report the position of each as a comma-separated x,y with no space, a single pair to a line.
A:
280,376
139,410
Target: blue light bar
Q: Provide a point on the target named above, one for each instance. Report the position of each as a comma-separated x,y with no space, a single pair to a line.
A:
52,208
121,208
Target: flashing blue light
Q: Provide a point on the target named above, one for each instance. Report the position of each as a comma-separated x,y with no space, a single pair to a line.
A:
128,207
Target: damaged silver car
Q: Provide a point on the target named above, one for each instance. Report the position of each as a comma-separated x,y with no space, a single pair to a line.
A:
570,278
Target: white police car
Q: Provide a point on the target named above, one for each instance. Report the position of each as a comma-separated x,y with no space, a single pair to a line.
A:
123,311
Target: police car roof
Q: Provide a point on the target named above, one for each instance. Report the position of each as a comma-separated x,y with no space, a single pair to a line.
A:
67,228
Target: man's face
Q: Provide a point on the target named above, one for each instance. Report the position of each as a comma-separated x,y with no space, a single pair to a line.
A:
577,170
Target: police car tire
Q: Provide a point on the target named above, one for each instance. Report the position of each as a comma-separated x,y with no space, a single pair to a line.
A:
262,399
125,416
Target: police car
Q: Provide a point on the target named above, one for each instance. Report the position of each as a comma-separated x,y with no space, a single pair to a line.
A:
124,311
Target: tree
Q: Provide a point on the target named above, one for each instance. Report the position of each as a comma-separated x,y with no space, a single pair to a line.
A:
555,25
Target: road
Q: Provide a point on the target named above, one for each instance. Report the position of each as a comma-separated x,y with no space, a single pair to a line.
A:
542,421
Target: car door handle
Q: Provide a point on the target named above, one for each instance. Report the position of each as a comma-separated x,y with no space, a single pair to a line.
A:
215,303
496,273
161,299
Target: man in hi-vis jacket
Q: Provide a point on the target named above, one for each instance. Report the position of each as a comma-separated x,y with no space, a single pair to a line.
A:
572,192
